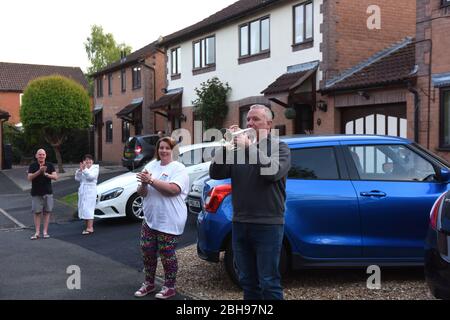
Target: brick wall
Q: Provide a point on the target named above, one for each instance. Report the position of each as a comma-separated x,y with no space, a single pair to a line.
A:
150,88
347,39
10,102
433,24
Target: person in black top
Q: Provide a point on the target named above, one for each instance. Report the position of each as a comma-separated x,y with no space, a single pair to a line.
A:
259,195
41,174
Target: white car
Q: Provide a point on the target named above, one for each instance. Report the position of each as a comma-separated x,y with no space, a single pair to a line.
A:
117,197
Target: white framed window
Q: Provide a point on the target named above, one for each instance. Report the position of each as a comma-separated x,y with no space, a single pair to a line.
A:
303,22
254,37
204,52
175,60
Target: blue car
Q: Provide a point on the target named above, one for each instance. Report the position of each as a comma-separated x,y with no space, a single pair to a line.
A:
437,251
352,201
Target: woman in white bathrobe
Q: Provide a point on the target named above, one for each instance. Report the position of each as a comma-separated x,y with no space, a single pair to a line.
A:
87,174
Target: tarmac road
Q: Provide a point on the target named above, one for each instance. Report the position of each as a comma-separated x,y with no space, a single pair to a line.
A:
109,260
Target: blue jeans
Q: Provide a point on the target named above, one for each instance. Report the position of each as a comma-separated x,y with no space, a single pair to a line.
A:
256,249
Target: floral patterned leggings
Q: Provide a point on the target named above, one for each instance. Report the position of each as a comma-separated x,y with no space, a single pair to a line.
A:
152,242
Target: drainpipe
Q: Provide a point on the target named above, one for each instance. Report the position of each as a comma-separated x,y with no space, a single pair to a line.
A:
417,98
142,62
416,111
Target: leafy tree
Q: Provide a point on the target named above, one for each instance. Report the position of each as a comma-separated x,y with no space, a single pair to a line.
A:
102,49
52,107
211,105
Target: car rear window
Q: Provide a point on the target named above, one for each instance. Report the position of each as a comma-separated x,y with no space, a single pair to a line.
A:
314,164
131,143
151,140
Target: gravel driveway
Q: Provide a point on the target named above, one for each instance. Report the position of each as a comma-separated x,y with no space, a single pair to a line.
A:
207,280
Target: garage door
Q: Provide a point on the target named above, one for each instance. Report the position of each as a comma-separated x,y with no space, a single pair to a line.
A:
388,119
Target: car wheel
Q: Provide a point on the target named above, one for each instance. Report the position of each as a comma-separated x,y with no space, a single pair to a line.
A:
134,208
231,268
230,265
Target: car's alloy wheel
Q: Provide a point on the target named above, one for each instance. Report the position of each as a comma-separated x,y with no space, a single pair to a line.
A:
135,208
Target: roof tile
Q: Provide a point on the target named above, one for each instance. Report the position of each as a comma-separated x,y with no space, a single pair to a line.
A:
16,76
396,66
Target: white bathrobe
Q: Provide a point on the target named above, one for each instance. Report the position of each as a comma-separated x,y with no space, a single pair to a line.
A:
87,193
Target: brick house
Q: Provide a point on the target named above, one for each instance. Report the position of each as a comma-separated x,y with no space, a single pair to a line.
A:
279,53
14,78
433,76
374,96
4,116
123,92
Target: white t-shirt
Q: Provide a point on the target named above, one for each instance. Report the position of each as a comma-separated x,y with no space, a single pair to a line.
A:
165,213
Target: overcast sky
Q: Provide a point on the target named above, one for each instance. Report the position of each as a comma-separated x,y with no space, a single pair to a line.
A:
53,32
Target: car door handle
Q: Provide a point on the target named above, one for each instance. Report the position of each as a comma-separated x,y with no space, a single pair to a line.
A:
373,193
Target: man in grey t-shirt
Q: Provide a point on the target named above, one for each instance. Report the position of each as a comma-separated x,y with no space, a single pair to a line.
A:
259,194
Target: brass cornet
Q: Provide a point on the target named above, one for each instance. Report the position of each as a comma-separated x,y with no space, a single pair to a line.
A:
228,140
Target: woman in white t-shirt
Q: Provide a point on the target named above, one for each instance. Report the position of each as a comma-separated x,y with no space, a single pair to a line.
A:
164,187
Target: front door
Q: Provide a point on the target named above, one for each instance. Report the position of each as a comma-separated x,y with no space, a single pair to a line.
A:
304,120
386,119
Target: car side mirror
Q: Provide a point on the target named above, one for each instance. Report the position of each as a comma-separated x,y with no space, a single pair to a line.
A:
444,175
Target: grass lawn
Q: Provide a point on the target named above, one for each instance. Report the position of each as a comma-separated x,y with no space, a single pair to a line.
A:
71,199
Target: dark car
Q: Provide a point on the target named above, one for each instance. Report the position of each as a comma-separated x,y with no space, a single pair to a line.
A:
437,255
139,150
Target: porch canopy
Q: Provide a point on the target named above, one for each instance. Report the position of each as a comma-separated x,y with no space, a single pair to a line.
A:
127,112
166,103
97,109
4,115
290,81
441,80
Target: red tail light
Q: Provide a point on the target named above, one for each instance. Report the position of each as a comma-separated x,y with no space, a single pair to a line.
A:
138,150
435,211
216,196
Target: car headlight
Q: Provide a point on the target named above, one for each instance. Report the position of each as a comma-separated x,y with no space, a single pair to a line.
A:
114,193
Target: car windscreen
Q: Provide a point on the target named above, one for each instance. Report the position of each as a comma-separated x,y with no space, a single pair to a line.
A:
440,160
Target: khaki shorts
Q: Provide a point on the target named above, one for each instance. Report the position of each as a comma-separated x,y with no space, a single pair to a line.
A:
42,203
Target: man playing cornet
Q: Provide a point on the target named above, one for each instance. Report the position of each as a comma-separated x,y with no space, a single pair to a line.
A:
259,194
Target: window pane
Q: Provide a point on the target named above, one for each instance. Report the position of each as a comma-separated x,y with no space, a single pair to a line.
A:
309,21
110,84
173,60
244,41
203,52
313,164
299,24
178,60
446,104
211,50
197,55
265,34
254,37
390,162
